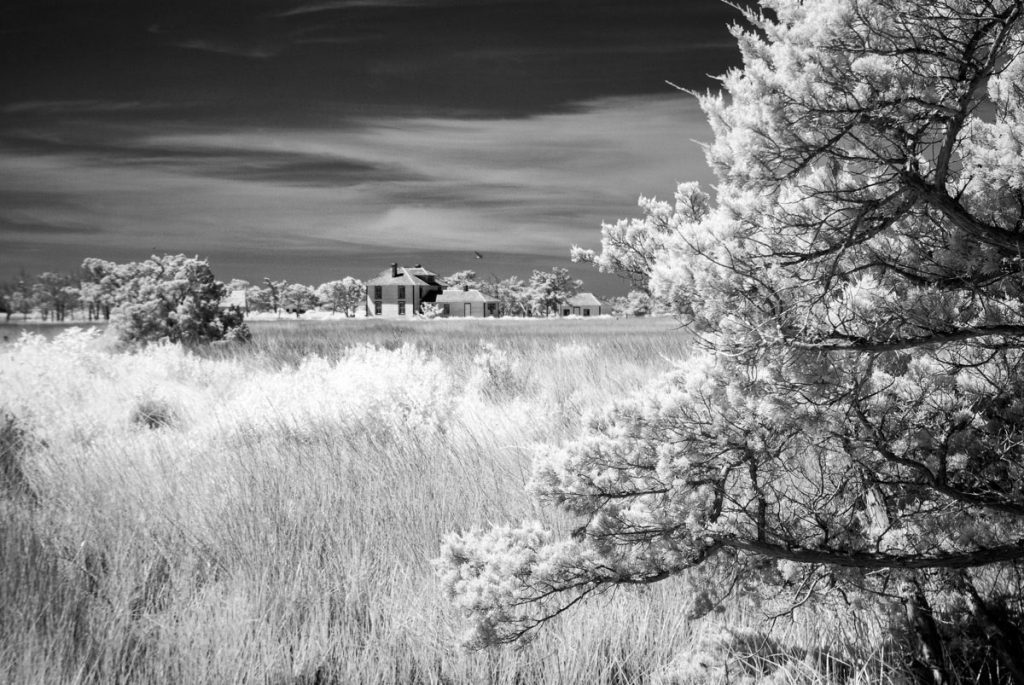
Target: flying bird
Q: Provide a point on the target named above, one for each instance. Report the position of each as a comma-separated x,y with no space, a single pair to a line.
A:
478,255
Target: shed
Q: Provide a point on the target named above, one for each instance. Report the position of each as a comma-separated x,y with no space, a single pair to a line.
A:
584,304
464,302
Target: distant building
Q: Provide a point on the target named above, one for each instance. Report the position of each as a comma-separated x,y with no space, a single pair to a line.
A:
584,304
400,291
460,302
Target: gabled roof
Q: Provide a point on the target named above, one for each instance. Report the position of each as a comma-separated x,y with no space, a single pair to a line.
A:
406,276
419,271
460,295
584,300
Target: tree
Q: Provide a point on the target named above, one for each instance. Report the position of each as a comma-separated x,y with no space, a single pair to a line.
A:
273,292
630,247
346,295
853,422
56,293
98,287
172,297
513,296
550,290
635,304
461,278
297,298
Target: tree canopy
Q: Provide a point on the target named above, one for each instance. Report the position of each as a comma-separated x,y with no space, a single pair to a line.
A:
171,297
853,417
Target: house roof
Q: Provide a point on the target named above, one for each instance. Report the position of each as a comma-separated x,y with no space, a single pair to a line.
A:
406,276
460,295
584,300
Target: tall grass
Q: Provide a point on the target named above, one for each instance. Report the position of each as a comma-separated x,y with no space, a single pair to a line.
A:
268,513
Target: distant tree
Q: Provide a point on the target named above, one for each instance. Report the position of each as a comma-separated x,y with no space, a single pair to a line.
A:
55,293
98,287
20,300
631,247
459,279
259,299
172,297
550,290
346,295
274,293
298,298
635,304
513,296
851,425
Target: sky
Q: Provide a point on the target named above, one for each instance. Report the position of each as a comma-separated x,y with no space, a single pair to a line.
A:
312,139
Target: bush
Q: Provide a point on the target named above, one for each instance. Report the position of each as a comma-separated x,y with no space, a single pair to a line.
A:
153,413
173,297
15,442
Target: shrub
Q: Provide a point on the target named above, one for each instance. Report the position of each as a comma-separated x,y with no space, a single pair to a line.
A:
153,413
15,442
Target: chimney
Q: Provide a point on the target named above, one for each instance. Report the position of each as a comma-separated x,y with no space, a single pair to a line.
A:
419,266
465,288
394,269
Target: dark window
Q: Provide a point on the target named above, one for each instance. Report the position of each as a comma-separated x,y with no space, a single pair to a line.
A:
401,292
378,292
376,307
401,308
446,309
586,312
490,308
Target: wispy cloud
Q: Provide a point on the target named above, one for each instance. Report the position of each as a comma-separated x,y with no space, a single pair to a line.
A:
334,5
77,106
515,186
233,49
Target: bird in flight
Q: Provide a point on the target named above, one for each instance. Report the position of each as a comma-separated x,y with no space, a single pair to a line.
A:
478,255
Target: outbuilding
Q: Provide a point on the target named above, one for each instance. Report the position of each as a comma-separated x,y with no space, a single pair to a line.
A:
464,301
584,304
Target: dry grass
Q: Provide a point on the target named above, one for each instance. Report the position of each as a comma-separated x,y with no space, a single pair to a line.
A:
280,528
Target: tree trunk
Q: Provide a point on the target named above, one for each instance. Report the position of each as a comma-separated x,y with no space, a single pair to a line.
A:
930,662
1006,638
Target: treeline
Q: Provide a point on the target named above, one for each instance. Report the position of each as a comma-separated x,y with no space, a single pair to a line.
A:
99,286
56,296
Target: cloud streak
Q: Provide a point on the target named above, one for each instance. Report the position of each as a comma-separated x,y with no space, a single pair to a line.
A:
516,186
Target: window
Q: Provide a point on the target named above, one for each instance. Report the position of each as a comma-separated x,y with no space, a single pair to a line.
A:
401,292
401,308
376,307
446,309
490,309
586,312
378,293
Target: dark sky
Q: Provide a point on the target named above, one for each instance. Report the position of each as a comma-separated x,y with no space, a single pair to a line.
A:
311,139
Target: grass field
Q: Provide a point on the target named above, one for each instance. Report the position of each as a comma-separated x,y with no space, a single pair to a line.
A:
268,513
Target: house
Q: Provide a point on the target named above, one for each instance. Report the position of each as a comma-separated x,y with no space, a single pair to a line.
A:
584,304
401,291
459,302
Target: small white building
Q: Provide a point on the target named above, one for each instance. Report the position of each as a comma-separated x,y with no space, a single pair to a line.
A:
462,302
584,304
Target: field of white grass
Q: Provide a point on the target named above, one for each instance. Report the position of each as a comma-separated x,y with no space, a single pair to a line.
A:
268,513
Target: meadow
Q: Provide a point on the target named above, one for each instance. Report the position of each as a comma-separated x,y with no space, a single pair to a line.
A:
268,513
